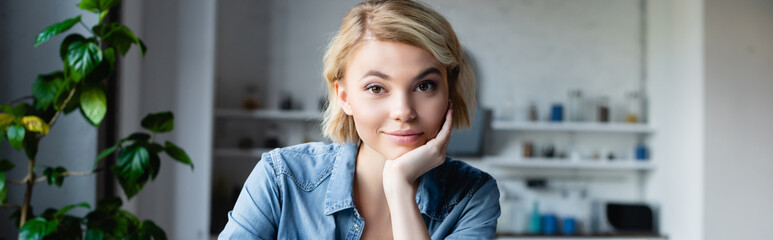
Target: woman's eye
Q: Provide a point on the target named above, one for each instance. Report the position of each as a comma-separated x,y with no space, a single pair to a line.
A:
375,89
425,86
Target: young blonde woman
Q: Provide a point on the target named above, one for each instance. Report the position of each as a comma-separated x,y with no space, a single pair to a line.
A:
398,83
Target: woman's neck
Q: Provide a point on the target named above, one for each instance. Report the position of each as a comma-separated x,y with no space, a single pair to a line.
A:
368,185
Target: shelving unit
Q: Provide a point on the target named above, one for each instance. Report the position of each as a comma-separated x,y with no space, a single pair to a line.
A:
270,114
299,116
544,163
573,127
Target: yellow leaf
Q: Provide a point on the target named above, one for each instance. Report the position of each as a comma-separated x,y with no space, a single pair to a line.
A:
5,119
35,124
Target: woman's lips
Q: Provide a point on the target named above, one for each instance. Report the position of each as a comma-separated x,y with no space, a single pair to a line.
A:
404,136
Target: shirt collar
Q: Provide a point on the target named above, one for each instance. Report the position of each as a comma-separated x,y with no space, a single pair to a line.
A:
339,189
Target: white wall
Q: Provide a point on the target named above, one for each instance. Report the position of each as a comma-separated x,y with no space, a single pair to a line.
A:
72,142
675,83
738,117
177,74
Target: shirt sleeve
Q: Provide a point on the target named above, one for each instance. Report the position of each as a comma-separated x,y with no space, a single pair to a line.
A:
256,212
480,218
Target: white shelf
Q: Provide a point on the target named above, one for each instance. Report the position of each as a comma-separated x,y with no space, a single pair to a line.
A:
544,163
270,114
573,127
240,153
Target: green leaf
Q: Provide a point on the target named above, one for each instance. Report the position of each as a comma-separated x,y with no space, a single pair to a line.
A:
105,153
155,164
110,56
159,122
143,47
107,221
31,145
97,6
36,228
110,204
177,153
83,57
45,89
56,29
103,15
149,230
67,208
138,137
6,165
131,219
3,188
68,228
155,148
5,119
74,102
54,175
18,111
131,169
94,234
93,104
104,69
119,36
48,214
66,45
15,135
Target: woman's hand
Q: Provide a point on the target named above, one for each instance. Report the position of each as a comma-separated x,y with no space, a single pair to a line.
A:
400,185
407,168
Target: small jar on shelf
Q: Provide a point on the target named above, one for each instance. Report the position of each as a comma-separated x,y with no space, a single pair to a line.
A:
633,107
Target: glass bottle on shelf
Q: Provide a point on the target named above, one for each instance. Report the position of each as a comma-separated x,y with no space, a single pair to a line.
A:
533,117
574,107
250,100
633,107
603,109
506,109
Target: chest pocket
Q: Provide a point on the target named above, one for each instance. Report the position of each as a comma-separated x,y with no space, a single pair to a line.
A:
306,169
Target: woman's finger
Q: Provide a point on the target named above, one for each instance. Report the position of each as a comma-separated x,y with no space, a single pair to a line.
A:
445,132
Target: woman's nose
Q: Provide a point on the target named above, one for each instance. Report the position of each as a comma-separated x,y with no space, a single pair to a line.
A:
402,108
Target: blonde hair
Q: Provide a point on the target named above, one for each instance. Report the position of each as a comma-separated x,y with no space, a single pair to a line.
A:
403,21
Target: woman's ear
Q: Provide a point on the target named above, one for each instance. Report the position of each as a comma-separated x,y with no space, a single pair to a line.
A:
343,98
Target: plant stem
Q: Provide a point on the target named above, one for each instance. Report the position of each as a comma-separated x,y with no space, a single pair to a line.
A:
86,27
27,194
20,99
41,179
8,205
64,104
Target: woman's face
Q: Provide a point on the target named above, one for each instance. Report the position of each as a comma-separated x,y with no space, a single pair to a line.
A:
396,93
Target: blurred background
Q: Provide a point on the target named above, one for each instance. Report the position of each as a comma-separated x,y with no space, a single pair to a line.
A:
595,116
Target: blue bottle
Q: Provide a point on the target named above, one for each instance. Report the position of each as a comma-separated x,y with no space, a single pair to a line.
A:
549,224
557,113
534,220
568,226
641,152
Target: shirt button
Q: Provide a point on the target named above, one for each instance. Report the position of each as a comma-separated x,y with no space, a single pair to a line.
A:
356,227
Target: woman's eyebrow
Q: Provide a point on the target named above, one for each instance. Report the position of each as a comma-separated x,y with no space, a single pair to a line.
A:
426,72
377,74
421,75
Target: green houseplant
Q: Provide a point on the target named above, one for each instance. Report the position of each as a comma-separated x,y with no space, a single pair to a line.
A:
88,62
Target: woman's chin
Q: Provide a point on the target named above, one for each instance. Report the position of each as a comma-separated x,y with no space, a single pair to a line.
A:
394,152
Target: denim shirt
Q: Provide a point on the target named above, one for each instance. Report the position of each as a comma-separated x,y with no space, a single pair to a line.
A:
305,192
